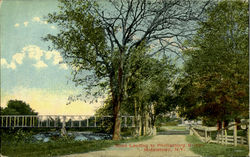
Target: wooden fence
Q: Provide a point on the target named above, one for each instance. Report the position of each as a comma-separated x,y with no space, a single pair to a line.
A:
213,135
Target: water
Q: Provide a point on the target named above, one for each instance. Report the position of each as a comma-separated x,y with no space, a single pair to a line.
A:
77,136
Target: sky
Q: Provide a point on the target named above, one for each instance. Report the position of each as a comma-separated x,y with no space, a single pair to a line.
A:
29,71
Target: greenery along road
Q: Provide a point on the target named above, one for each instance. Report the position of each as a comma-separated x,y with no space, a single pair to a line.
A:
160,146
168,145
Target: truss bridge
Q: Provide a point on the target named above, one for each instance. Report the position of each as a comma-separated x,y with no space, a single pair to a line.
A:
61,121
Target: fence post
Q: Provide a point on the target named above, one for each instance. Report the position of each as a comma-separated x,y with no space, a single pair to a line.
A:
63,130
206,135
125,121
26,124
6,121
38,121
235,133
225,136
9,122
18,121
190,130
133,121
222,133
34,118
47,122
31,121
14,121
55,121
71,123
63,124
218,136
22,121
80,120
248,135
242,140
95,122
87,122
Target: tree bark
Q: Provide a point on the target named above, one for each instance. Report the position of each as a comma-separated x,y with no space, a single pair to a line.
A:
117,101
116,125
136,119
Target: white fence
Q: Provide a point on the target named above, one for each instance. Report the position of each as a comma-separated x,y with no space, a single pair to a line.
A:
212,135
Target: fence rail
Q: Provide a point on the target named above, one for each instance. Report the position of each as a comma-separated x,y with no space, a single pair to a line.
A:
212,135
68,121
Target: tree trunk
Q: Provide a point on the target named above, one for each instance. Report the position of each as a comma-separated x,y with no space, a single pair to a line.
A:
237,120
136,119
218,125
117,102
140,125
116,125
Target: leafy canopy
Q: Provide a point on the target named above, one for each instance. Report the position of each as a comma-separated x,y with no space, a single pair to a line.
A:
215,83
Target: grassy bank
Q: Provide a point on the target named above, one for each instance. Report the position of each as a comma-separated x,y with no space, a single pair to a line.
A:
62,146
205,149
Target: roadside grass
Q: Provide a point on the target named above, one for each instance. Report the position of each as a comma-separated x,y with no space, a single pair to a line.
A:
60,147
207,149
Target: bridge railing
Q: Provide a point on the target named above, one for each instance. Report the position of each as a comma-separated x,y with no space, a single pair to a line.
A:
7,121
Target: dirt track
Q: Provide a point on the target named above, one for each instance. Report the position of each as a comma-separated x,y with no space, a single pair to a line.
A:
158,146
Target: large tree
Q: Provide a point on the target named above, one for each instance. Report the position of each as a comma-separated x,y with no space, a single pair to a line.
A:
215,83
101,36
149,92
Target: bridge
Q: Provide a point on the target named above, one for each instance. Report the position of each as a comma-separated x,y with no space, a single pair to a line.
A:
61,121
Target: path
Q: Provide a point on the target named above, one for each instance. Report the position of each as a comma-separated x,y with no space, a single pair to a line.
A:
163,146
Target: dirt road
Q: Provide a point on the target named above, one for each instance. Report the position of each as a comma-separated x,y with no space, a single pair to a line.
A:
158,146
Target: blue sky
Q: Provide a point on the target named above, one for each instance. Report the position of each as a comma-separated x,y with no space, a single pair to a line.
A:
29,71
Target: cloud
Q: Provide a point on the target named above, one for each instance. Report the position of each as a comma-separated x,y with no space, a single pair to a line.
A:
38,19
34,52
63,66
26,23
53,101
40,64
48,55
18,57
17,25
5,64
57,58
12,65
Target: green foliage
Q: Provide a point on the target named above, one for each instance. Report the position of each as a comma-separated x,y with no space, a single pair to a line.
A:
62,146
215,83
17,107
15,137
209,122
166,121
